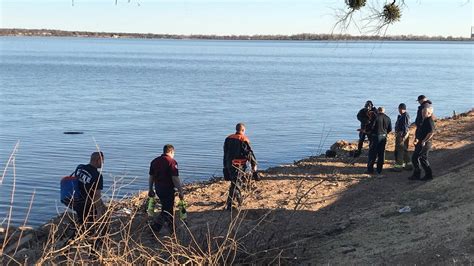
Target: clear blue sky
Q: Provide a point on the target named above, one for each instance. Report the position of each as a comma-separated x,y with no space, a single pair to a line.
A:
420,17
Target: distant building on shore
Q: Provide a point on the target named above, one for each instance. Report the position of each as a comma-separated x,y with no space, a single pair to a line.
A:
472,32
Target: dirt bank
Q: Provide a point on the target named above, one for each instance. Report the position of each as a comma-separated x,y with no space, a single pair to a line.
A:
349,217
325,210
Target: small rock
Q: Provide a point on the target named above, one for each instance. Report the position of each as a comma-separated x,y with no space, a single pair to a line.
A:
348,250
330,154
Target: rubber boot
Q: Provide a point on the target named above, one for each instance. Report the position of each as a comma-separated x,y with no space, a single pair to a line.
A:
357,153
428,174
416,175
228,205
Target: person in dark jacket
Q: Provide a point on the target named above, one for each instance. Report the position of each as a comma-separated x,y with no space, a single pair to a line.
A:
163,179
237,151
90,206
424,103
424,135
402,139
365,116
381,127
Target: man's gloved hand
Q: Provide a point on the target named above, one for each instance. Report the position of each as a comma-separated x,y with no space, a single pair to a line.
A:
151,193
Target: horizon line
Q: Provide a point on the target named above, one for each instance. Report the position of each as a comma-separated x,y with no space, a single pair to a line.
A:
240,35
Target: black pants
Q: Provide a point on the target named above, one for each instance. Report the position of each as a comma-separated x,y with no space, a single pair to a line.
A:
377,152
166,216
86,220
362,136
235,188
84,217
420,157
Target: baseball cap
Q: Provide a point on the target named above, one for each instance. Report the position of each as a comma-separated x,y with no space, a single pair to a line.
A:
421,97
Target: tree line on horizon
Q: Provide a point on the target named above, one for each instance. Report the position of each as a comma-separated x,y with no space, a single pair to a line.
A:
293,37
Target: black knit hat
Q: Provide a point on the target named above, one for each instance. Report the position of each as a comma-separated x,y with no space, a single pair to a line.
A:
421,97
402,106
369,104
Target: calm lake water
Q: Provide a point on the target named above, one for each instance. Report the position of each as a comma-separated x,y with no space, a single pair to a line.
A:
131,96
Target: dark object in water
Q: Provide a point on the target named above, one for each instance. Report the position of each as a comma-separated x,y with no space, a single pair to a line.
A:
73,132
331,154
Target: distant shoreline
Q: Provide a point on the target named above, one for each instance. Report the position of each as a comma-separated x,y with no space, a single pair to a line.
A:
263,37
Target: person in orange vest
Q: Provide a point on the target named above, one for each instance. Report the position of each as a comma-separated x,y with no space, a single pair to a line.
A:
237,152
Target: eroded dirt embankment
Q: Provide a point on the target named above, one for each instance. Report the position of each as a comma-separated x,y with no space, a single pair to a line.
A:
345,216
326,210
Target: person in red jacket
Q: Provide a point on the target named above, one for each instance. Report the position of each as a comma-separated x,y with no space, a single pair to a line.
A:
163,179
237,152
